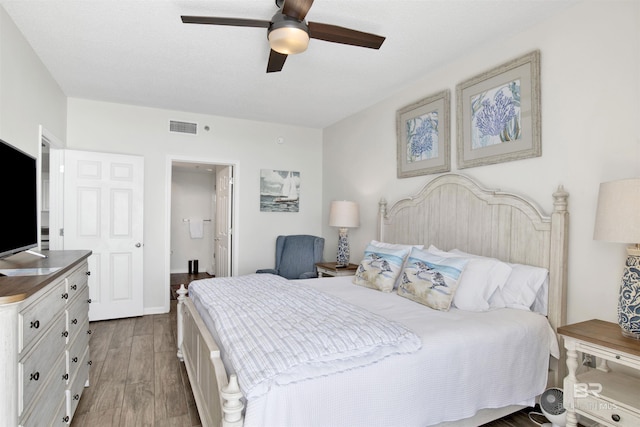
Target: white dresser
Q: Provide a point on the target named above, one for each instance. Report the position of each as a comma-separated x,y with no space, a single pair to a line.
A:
44,345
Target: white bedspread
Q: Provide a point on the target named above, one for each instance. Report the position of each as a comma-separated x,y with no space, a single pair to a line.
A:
277,332
468,361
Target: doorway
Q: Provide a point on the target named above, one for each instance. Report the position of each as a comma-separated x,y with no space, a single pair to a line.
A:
50,214
200,222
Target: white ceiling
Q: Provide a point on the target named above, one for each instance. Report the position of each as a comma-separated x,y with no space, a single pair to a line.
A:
139,52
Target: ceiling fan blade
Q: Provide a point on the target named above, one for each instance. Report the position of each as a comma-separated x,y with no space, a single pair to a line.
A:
237,22
296,9
276,61
336,34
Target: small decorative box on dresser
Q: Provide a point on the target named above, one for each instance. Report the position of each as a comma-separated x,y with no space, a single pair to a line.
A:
329,269
611,398
44,346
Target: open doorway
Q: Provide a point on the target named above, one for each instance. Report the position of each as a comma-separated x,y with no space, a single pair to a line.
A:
201,222
50,215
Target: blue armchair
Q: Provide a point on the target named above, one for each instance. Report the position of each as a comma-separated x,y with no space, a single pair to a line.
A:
296,256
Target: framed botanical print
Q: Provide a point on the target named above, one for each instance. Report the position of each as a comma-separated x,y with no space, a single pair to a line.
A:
498,114
423,136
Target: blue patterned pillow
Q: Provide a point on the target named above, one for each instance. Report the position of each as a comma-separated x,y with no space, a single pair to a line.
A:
380,267
430,279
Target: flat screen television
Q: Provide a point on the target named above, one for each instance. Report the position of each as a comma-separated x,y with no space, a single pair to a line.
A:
18,201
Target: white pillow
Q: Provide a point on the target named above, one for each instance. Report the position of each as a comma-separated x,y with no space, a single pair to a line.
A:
481,279
396,246
526,287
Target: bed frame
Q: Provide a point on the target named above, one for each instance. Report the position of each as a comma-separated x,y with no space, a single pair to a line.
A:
451,211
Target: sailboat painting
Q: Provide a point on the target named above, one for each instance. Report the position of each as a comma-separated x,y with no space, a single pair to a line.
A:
279,191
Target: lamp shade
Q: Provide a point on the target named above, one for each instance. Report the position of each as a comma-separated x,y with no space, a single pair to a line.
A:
344,214
618,213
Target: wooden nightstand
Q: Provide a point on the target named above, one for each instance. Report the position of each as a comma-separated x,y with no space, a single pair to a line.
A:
610,398
329,269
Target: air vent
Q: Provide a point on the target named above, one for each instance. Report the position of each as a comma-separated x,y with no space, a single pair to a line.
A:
183,127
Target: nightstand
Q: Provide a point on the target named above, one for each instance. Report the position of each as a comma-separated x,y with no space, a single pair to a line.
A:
329,269
608,397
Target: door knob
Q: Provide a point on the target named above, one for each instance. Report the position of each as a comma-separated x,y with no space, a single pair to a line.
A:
138,244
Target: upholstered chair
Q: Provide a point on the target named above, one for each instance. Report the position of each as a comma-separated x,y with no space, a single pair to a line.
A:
296,256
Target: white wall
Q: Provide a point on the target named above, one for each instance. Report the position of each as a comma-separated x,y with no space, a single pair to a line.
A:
192,197
29,97
251,146
590,111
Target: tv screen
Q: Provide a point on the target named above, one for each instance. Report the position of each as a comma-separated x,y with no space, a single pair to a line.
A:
18,196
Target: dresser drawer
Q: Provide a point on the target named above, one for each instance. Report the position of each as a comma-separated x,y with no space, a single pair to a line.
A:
39,365
77,281
606,412
76,351
607,354
78,313
74,392
37,317
46,404
61,418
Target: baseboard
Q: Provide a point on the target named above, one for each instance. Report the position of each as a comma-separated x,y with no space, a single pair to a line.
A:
155,310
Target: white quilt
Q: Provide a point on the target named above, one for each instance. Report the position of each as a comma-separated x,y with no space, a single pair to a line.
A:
277,332
468,361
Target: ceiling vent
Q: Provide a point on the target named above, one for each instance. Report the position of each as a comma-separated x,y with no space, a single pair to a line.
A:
183,127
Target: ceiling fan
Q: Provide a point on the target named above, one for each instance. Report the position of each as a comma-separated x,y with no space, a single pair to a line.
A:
288,33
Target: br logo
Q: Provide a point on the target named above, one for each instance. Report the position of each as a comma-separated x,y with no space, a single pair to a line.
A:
587,389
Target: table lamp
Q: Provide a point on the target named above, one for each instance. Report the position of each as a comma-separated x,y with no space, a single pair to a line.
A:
618,220
344,215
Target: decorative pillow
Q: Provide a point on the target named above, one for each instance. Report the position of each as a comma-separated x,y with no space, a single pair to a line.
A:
526,287
380,267
483,276
396,246
430,279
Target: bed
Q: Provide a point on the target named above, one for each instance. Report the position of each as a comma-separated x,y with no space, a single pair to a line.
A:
456,386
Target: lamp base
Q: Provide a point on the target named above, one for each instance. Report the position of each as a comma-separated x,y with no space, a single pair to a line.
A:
342,259
629,301
630,334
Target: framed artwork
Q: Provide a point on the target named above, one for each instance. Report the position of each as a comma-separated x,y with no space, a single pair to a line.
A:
424,143
498,114
279,191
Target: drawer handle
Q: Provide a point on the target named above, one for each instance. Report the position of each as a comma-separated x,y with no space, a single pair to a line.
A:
89,363
89,300
65,334
35,325
74,360
74,322
89,332
618,356
34,377
65,419
88,273
76,397
65,296
65,377
74,287
615,417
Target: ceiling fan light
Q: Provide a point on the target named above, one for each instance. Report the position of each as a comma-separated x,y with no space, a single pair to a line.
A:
288,40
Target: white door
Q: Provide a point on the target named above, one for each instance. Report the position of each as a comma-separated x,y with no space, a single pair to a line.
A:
103,208
224,226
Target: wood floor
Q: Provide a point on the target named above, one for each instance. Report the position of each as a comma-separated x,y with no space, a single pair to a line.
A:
135,377
137,380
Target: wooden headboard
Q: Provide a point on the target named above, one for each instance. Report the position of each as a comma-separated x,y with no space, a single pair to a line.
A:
453,211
